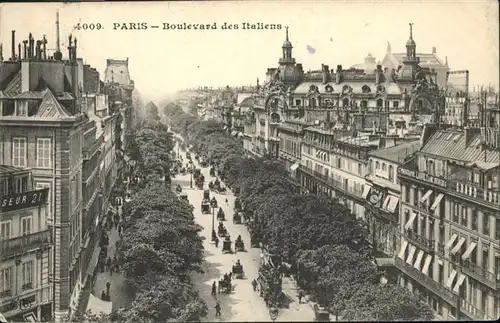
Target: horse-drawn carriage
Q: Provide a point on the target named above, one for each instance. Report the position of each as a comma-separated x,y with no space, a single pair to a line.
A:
225,285
238,271
221,216
221,230
178,189
200,181
239,245
237,218
237,205
321,313
226,246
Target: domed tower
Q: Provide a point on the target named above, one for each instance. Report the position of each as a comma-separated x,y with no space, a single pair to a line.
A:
289,72
410,63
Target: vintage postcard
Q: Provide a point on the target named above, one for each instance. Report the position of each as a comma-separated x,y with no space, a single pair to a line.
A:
244,161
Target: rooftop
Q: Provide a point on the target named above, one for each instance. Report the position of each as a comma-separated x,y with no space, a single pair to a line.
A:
397,153
10,170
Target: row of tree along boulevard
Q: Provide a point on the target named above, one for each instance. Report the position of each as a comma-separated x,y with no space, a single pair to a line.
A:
319,241
160,245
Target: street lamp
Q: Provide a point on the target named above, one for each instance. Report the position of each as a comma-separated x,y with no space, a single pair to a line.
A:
213,204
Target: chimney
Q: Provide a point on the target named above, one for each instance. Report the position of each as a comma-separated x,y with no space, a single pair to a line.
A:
434,50
44,42
13,45
427,132
324,71
70,50
25,42
378,74
471,133
19,50
38,50
32,46
337,74
1,53
74,51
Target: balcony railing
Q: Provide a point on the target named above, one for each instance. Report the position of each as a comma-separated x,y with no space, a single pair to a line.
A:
333,183
472,311
421,241
490,196
27,286
479,273
5,293
434,180
90,151
24,244
427,281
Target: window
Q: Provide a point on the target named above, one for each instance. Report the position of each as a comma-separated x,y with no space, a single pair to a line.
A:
27,275
73,192
26,225
497,229
5,230
463,218
476,178
407,194
22,109
486,263
474,219
5,280
42,185
384,168
19,152
377,165
391,173
486,224
395,104
380,103
360,169
43,153
21,184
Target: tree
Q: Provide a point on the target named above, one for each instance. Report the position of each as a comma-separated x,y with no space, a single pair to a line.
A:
375,302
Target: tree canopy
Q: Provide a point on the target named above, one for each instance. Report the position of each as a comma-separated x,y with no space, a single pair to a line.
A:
326,243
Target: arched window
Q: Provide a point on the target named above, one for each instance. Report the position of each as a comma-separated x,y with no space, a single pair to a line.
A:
345,102
391,172
384,168
275,117
312,103
380,103
366,89
377,165
364,104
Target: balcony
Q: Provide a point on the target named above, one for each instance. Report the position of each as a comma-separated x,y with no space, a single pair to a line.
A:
423,177
381,213
481,274
427,281
471,311
23,244
490,197
420,241
90,151
337,185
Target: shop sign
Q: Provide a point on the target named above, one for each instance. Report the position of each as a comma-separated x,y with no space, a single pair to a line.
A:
24,200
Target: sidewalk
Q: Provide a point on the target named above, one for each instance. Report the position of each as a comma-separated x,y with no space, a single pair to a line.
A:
118,293
303,312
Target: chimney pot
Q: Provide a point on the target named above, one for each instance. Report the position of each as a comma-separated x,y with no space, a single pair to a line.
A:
339,67
434,50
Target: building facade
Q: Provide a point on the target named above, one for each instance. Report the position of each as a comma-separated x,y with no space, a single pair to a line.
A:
450,231
25,247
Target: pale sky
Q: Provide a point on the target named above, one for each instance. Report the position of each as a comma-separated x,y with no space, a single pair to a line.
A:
341,32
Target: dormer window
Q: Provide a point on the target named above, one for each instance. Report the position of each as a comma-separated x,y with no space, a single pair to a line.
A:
366,89
22,109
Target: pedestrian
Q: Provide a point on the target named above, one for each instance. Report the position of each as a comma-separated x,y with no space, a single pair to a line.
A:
214,289
108,263
108,287
226,201
216,242
115,263
300,295
217,309
120,230
111,268
103,296
254,285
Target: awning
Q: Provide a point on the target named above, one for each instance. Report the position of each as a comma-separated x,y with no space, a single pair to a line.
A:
411,254
458,246
427,263
469,250
450,280
418,262
294,167
393,204
386,201
366,191
426,196
403,249
459,283
410,221
29,317
98,306
93,261
451,241
437,201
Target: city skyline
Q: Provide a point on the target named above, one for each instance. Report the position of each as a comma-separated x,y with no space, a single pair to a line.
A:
331,33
